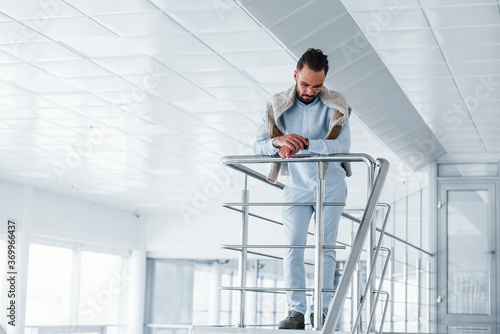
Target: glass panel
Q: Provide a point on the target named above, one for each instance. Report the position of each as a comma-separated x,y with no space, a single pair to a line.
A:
49,285
101,287
467,170
414,223
171,293
201,297
468,257
426,235
400,218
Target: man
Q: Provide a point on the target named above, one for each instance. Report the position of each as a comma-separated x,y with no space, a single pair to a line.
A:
307,118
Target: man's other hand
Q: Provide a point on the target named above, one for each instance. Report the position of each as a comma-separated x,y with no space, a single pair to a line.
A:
286,152
292,141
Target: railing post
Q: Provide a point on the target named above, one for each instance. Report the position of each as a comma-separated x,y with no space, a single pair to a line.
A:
319,249
429,296
243,255
405,277
372,241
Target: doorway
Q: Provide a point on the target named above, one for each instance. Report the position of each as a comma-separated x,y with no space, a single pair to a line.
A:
467,261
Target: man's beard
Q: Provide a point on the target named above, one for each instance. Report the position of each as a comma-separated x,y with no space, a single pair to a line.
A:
301,99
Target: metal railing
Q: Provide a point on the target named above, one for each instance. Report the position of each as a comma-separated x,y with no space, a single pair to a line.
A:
377,174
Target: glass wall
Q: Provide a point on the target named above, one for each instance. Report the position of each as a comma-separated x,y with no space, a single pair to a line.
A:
71,289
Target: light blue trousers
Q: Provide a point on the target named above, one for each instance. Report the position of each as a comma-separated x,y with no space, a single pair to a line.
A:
296,223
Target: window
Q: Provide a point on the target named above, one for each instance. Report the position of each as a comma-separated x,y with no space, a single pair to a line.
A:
49,285
68,286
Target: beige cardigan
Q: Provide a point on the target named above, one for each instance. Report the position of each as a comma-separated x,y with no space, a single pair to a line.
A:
281,102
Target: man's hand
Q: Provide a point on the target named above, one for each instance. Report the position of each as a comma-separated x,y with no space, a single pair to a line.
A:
286,152
293,141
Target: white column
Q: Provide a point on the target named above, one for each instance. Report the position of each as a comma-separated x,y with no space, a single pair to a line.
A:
214,299
137,282
23,236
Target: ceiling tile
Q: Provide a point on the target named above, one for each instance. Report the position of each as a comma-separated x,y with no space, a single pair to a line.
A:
26,101
476,53
6,58
264,75
40,51
243,92
218,78
476,68
195,63
413,71
474,15
145,24
391,39
74,99
243,41
428,55
38,10
47,85
11,72
15,32
214,20
257,59
481,87
202,106
423,84
104,83
400,19
8,89
467,35
73,68
434,96
174,5
450,3
143,65
95,7
70,28
170,45
105,47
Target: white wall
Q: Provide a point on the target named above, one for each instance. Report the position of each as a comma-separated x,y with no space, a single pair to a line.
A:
62,217
41,213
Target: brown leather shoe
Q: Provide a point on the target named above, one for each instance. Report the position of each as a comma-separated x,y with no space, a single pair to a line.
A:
312,319
295,320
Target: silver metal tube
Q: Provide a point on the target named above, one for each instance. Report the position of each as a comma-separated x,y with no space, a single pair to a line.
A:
282,204
391,275
251,159
419,282
283,246
319,249
370,263
371,277
387,298
428,295
377,295
405,276
242,270
364,227
269,289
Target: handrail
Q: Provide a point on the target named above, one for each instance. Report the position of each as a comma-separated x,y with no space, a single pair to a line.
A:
339,297
236,161
365,228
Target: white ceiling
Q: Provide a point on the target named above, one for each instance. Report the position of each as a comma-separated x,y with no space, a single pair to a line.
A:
134,105
445,55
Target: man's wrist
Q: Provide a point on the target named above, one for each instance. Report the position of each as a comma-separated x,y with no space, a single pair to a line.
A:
274,144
